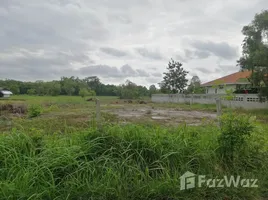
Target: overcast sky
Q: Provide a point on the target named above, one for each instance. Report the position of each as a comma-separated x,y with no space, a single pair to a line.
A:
121,39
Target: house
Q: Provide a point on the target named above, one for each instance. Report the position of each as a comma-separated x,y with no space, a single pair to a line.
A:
5,93
236,82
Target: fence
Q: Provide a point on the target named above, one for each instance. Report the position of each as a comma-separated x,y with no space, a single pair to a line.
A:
245,101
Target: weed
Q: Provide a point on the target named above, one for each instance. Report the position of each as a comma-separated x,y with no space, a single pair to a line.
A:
34,110
234,131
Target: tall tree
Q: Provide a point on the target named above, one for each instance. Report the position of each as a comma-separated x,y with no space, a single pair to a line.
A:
255,51
152,90
68,85
129,90
94,83
175,79
195,86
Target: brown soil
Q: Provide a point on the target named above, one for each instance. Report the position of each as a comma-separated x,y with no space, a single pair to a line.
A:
170,116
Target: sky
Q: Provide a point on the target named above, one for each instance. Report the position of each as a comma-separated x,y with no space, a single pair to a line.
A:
119,40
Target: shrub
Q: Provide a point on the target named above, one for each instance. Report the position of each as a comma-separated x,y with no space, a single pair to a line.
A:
234,131
34,111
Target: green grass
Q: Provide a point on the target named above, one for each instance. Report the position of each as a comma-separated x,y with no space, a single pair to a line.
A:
57,99
120,162
61,155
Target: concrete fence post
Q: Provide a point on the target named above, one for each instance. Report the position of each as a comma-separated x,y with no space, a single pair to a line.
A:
98,114
218,105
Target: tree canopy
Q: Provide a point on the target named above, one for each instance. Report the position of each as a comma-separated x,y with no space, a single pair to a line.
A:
195,86
174,79
255,51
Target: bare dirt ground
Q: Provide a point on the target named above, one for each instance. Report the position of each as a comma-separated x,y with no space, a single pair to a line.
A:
164,115
78,114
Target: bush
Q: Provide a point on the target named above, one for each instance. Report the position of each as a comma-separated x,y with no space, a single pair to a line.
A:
34,111
85,92
234,131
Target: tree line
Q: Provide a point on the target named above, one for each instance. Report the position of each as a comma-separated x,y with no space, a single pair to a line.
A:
74,86
91,86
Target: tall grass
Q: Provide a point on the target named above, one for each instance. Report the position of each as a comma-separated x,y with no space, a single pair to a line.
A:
123,162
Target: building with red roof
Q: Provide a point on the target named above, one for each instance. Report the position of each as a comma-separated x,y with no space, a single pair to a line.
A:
235,81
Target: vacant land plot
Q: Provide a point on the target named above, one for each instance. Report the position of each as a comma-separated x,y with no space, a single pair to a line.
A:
76,112
62,113
51,148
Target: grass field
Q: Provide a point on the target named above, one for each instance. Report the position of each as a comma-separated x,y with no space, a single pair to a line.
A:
140,151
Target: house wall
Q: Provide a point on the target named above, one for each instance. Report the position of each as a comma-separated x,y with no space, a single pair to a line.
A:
6,96
211,90
246,101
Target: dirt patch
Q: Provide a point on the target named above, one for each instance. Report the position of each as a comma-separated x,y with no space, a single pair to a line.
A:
170,116
13,108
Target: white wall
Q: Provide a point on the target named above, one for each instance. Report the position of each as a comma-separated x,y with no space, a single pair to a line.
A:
246,101
211,90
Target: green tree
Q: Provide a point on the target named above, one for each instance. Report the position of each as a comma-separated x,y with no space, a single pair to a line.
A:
93,82
91,93
152,90
14,88
68,85
31,91
83,92
129,90
175,79
40,87
195,86
53,88
255,51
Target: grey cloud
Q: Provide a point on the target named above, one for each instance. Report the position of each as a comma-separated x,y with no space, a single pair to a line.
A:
122,4
202,54
40,65
180,58
156,74
44,59
49,65
60,36
32,73
188,54
192,74
203,70
142,73
223,68
109,71
126,69
120,17
192,54
153,80
101,70
152,54
222,50
49,25
113,52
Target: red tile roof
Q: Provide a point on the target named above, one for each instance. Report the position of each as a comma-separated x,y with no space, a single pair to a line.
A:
232,78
